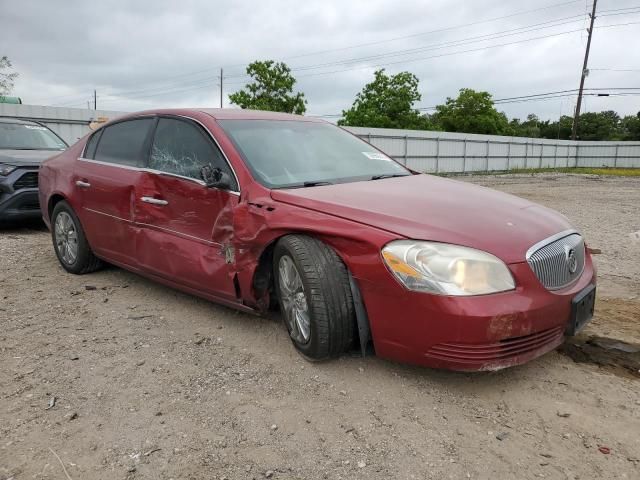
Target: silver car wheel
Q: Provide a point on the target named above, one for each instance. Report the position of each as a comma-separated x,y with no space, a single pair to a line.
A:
294,300
66,238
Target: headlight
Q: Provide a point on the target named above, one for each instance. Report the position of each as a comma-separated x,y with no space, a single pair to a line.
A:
6,169
446,269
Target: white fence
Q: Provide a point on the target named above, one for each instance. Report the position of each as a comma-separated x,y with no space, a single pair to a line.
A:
439,152
444,152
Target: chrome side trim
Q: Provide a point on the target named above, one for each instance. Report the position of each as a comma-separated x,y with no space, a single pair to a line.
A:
109,164
548,240
108,215
156,172
180,234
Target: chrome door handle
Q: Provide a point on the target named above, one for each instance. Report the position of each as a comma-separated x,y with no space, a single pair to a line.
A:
80,183
154,201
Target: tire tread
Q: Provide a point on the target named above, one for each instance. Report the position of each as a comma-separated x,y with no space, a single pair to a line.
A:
329,294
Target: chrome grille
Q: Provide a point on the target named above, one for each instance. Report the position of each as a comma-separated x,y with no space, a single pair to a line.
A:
551,260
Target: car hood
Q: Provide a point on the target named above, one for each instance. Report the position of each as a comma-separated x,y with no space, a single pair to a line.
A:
26,158
426,207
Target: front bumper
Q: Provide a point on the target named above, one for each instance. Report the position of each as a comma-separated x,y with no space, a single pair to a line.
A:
487,332
18,202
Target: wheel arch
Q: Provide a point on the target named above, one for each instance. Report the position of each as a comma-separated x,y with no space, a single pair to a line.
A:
53,200
262,282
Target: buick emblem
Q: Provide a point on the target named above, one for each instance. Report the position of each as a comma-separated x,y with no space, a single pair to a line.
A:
570,258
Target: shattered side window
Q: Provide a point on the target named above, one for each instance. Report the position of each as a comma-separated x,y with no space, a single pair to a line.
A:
181,148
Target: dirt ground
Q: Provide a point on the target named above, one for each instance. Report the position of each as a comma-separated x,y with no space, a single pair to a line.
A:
150,383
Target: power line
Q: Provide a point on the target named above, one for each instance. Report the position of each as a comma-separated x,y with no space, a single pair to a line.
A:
439,55
621,13
200,85
614,69
349,47
453,43
462,51
413,35
205,82
619,9
458,42
626,91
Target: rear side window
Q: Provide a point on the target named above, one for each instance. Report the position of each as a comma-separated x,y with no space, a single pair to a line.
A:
124,142
182,148
90,149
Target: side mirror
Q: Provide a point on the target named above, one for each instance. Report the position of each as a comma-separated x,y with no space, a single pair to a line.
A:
214,177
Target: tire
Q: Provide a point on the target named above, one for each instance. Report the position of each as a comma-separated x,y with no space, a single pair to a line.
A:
324,283
64,221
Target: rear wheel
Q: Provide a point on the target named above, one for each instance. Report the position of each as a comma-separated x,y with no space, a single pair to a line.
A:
70,243
312,286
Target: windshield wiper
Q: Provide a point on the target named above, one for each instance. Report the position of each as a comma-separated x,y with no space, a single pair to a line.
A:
388,175
316,183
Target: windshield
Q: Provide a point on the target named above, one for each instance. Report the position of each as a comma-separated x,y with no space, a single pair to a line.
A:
19,136
295,153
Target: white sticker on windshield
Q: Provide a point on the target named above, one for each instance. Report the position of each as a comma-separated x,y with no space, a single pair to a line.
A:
35,127
377,156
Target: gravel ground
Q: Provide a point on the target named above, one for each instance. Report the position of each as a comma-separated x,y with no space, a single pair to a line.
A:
150,383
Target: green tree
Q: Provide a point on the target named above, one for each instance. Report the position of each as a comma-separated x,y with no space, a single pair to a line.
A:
6,78
559,129
471,112
529,128
599,126
271,89
387,102
630,127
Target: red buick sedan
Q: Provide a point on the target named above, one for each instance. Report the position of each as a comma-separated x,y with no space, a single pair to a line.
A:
252,209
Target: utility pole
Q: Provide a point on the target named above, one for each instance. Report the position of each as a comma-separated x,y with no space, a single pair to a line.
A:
95,100
576,115
221,79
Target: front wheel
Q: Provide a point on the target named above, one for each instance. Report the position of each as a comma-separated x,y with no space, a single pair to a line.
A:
70,243
312,286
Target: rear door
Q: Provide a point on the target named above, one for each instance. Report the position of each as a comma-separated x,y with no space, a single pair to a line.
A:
106,177
185,228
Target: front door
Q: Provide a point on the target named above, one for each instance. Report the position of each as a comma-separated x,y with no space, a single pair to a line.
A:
185,229
105,179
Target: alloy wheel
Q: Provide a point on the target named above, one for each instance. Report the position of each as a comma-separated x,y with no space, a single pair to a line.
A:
66,238
294,300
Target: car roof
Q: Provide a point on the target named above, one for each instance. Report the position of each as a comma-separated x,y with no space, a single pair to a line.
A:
245,114
225,114
19,121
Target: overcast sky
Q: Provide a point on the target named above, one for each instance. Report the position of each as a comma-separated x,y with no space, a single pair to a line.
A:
157,53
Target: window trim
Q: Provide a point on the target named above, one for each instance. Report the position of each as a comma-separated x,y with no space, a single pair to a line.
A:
208,136
86,144
149,144
101,130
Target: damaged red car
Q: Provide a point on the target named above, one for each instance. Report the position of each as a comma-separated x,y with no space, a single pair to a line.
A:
257,209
